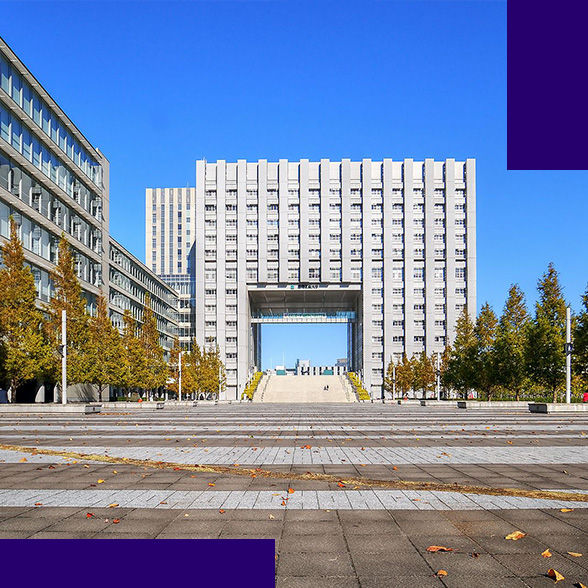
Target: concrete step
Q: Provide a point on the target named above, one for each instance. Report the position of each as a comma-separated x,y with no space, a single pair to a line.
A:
304,389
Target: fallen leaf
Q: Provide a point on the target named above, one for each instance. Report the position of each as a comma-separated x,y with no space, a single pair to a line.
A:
436,548
100,481
574,554
38,504
163,502
394,468
555,575
114,472
116,521
221,511
474,555
86,466
89,515
113,505
340,485
283,503
566,509
271,517
546,553
291,490
22,460
441,573
516,535
211,484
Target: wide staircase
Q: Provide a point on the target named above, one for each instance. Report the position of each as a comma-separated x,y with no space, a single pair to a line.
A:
303,389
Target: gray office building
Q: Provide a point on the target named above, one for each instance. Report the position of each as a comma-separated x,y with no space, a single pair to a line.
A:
53,181
387,247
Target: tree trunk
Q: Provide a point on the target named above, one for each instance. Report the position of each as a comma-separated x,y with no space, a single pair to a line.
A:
555,395
517,395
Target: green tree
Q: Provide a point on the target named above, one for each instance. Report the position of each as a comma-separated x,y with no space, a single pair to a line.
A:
423,373
212,371
67,295
511,341
156,372
404,375
545,355
24,350
389,378
485,377
461,365
580,339
443,365
173,368
104,351
134,362
192,369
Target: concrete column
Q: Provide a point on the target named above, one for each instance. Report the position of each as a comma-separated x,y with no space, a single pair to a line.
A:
345,222
201,168
325,181
450,247
283,219
430,283
388,259
262,220
303,222
408,189
221,256
366,199
470,181
243,310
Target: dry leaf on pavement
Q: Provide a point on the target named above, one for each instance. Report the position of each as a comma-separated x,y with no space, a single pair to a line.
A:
516,535
441,573
546,553
574,554
436,548
555,575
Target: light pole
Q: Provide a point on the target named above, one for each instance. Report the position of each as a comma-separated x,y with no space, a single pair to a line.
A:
63,357
438,382
394,381
180,376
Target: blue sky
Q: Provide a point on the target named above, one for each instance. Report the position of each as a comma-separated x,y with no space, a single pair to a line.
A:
157,85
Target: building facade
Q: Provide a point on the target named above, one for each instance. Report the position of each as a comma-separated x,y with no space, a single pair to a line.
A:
54,182
388,247
169,239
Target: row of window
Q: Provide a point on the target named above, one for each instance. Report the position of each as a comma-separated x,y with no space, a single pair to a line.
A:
32,149
46,119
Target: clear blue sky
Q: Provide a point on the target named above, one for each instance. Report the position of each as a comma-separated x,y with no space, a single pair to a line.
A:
157,85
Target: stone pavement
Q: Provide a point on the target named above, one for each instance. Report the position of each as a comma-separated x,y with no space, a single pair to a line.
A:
327,534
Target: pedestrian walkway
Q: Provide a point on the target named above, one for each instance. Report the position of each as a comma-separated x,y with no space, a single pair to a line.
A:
333,530
309,389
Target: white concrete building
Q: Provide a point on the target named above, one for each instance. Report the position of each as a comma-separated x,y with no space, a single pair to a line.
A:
387,247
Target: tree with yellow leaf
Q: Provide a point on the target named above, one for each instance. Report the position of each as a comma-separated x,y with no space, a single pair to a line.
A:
24,350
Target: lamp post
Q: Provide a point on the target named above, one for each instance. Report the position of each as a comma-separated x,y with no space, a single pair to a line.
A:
63,357
438,379
393,381
180,376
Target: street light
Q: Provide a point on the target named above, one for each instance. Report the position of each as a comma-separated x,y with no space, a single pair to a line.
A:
180,376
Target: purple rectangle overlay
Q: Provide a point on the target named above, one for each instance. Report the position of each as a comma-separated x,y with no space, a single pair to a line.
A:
547,85
71,563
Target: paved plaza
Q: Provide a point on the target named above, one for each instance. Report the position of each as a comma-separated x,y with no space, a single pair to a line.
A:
331,530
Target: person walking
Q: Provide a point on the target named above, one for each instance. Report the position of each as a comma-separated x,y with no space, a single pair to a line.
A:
585,397
3,396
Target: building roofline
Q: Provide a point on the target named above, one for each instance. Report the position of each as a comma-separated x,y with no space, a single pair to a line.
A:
25,72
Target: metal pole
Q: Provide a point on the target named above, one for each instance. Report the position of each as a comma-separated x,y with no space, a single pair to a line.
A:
568,356
64,357
180,376
393,381
438,377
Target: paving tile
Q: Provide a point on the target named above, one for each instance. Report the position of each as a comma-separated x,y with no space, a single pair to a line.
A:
320,564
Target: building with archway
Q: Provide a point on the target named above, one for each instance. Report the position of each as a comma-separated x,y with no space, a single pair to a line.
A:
388,247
